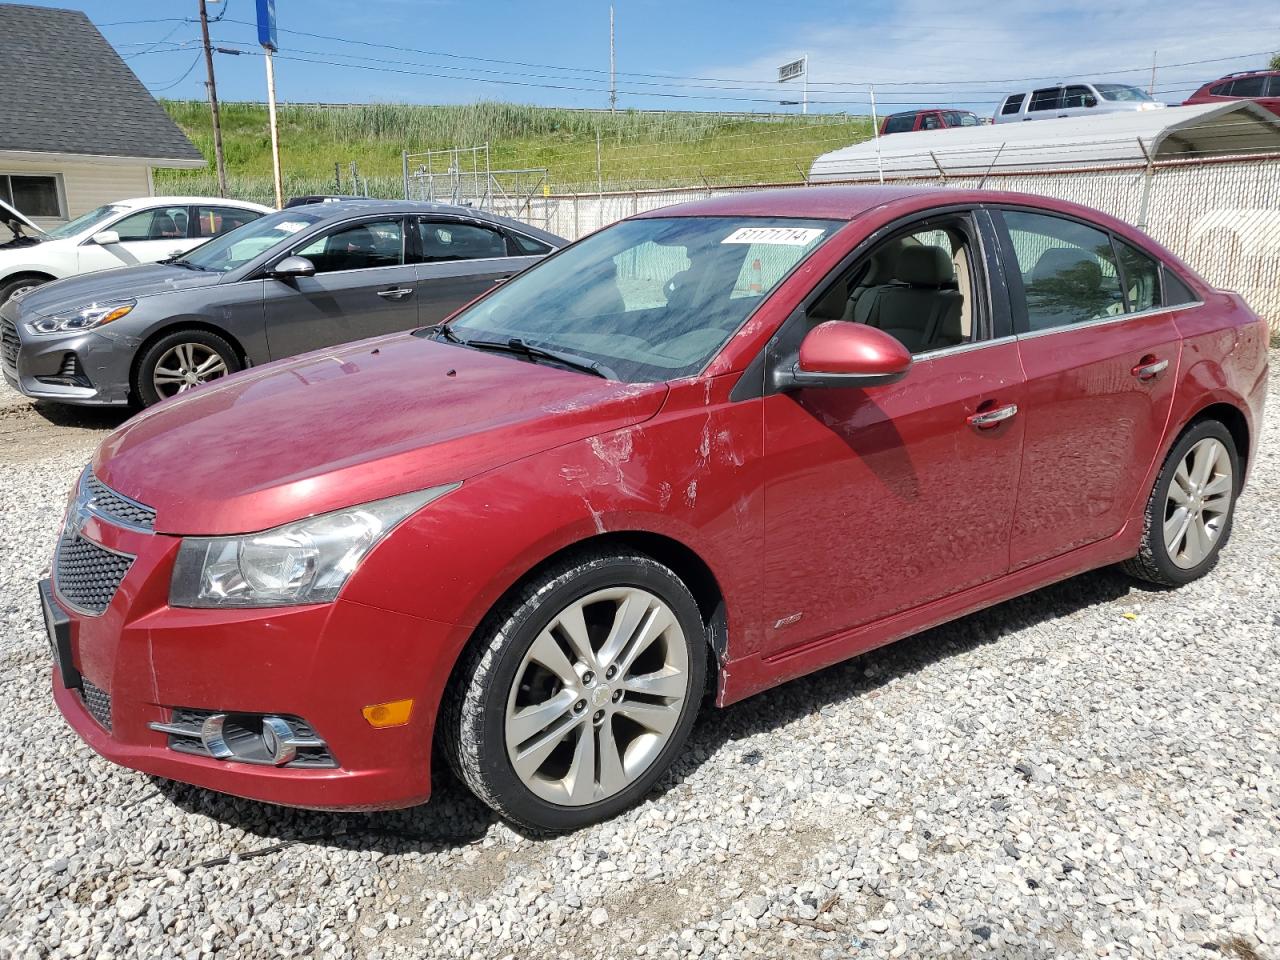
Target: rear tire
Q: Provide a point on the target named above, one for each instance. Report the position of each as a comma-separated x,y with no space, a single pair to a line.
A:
578,693
1188,517
181,360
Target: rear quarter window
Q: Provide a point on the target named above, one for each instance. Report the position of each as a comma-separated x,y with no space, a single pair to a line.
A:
1013,104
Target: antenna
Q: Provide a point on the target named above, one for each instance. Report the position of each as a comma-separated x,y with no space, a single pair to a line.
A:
613,76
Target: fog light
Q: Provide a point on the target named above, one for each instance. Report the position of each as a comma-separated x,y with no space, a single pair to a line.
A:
394,713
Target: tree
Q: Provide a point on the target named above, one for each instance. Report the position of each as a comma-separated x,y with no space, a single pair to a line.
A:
1275,62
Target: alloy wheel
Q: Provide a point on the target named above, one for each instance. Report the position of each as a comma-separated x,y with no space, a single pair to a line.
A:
1198,503
187,365
597,696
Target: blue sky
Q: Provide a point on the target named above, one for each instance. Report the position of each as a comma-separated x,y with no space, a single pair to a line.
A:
725,54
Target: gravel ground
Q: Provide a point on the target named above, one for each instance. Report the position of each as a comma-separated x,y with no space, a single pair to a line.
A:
1087,771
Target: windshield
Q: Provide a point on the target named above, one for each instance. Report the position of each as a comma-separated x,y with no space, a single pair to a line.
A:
651,299
237,247
85,221
1122,91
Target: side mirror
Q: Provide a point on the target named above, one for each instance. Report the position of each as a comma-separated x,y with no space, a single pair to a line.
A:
1090,101
105,238
293,267
842,354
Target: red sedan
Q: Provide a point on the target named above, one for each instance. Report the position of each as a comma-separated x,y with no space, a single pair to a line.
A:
705,450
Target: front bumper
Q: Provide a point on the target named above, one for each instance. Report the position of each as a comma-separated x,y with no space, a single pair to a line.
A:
84,368
323,663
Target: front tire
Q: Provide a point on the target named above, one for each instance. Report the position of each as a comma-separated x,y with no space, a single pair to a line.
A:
579,693
181,360
10,288
1188,517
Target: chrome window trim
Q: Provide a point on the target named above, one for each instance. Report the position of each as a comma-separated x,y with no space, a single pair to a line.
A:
961,348
1107,321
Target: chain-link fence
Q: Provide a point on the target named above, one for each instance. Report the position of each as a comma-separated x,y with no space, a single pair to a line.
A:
1222,216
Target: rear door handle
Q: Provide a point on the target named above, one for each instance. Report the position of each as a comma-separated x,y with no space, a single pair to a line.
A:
1149,368
986,419
395,293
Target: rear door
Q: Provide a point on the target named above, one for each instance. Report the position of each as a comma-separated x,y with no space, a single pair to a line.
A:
209,221
460,259
363,287
1044,103
1100,354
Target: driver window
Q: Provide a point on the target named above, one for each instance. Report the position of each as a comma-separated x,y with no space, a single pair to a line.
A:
360,246
917,287
165,223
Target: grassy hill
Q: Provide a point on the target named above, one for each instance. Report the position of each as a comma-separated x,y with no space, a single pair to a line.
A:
636,149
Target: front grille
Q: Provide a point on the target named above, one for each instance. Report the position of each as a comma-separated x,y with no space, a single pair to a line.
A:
87,576
242,732
97,702
116,507
9,342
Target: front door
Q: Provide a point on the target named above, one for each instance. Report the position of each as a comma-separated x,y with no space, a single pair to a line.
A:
459,261
145,237
884,498
362,288
1101,358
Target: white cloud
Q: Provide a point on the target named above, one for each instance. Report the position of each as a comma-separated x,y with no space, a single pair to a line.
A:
936,47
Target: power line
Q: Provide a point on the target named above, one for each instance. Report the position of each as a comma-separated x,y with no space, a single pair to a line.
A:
186,73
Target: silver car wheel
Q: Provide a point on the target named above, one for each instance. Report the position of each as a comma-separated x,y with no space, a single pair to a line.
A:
186,365
19,291
1198,503
597,696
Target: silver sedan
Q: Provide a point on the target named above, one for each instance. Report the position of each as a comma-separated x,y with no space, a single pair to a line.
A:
298,280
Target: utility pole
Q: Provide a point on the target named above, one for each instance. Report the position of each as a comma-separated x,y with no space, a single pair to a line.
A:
275,130
1151,90
613,76
213,103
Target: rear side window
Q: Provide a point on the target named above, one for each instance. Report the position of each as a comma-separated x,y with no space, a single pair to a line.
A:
1013,104
444,241
900,123
1046,99
1175,290
212,221
529,247
1220,90
1141,278
1068,270
1077,96
1249,87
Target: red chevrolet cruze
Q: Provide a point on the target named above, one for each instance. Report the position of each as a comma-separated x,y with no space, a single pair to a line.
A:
703,451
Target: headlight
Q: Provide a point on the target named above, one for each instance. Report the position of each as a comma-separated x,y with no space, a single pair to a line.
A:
303,562
85,318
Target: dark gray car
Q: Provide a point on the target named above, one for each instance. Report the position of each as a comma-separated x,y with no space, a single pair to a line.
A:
297,280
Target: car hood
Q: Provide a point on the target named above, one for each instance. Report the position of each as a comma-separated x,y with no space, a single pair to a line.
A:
11,218
350,425
142,280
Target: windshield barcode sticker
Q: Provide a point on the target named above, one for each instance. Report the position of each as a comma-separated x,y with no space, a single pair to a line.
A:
784,236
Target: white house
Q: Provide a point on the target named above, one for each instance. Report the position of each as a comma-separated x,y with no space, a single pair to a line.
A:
77,128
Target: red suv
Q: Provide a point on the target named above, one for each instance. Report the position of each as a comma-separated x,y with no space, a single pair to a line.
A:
928,120
1260,85
707,449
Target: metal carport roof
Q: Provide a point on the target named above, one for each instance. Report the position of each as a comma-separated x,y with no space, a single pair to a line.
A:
1110,139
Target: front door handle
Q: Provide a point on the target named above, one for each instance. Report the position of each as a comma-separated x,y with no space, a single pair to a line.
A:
986,419
395,293
1149,368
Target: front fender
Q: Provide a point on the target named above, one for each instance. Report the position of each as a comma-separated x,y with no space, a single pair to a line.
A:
691,474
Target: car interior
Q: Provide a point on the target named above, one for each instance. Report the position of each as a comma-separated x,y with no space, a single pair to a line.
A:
442,242
917,288
360,247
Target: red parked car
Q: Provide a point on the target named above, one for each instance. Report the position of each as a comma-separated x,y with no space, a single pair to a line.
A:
707,449
1260,85
910,120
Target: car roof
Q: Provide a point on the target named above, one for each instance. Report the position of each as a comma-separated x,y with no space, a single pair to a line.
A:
822,203
138,202
344,209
